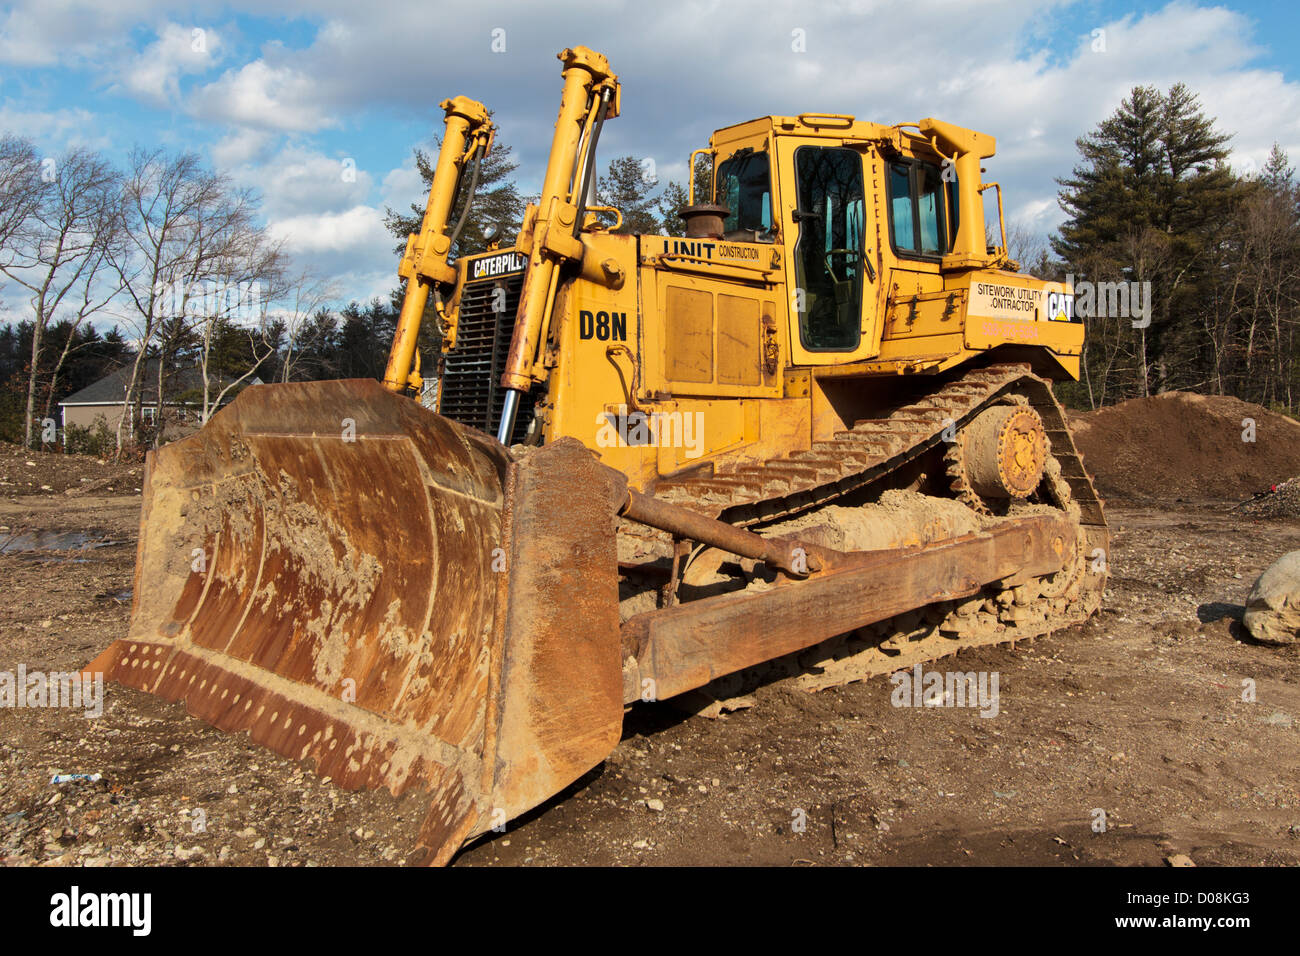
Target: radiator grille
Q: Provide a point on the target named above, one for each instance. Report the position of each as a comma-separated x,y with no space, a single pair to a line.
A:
470,389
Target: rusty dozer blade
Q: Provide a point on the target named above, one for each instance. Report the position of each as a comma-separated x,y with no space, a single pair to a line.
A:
358,582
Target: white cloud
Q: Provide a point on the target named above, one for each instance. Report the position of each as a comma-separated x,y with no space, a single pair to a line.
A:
154,73
1034,214
264,96
299,181
43,35
241,147
54,129
982,66
345,231
327,223
325,211
351,247
1001,67
403,185
73,33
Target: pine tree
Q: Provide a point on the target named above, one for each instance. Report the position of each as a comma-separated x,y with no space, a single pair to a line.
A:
1278,173
498,207
628,189
1148,203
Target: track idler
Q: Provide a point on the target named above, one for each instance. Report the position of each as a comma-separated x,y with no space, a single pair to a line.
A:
1004,452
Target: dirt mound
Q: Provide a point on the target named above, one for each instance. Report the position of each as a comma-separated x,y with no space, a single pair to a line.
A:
1183,445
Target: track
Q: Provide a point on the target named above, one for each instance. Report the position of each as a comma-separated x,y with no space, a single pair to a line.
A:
867,457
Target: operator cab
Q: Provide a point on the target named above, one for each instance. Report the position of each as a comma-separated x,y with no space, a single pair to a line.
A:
868,213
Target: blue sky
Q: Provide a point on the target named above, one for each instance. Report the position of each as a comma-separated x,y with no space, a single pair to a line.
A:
278,94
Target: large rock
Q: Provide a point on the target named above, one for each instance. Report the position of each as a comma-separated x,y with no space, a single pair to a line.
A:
1273,607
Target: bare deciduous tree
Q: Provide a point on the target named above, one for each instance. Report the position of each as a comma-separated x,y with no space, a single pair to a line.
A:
99,286
234,273
188,230
253,267
305,294
61,246
21,186
1027,247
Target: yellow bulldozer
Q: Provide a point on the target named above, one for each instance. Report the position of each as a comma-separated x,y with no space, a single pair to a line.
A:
813,439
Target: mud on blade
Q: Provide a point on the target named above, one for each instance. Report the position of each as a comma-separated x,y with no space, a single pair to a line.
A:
335,570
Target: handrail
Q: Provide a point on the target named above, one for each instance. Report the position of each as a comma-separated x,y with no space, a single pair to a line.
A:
838,120
667,258
690,182
1001,221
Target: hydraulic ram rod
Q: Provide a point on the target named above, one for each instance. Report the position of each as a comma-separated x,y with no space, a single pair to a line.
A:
468,128
557,221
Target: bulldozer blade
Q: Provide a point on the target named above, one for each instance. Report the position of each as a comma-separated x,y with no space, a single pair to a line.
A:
363,584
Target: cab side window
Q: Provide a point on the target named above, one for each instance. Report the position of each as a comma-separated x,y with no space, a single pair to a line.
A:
922,209
744,186
900,206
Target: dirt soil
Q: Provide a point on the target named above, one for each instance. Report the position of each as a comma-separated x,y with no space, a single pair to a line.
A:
1180,445
36,473
1139,714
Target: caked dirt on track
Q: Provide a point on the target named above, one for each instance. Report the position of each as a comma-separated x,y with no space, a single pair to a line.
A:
1138,713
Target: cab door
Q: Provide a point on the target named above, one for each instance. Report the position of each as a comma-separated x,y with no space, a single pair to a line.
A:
833,281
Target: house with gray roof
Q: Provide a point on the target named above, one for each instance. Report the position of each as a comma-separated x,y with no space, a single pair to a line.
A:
182,407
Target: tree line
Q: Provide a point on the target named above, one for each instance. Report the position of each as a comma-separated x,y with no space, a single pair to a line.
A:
1154,211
